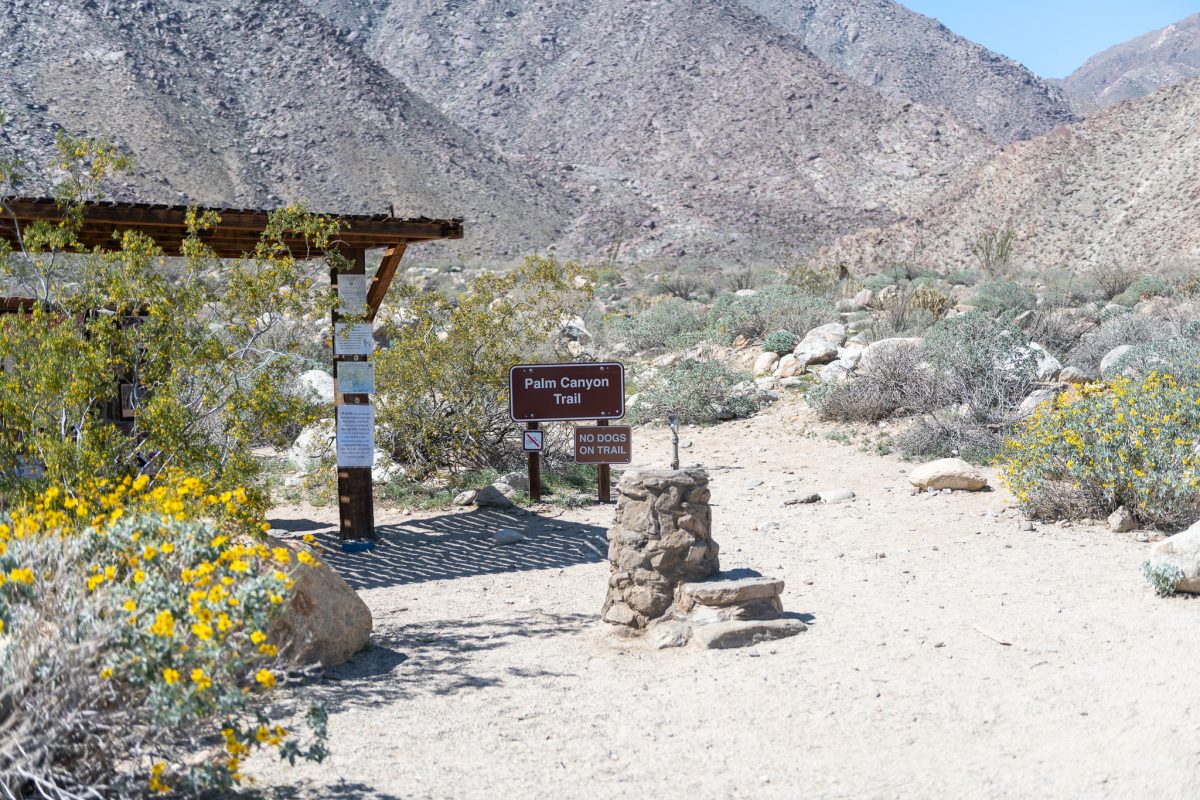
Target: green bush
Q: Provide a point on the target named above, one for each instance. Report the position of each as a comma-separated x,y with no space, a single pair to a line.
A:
443,383
1143,288
1128,443
1004,297
1178,357
662,325
772,308
781,342
136,642
893,380
699,391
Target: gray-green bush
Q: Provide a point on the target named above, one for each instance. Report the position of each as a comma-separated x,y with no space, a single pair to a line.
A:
781,342
660,326
1117,330
778,307
698,390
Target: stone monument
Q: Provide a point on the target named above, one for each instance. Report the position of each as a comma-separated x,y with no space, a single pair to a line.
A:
664,570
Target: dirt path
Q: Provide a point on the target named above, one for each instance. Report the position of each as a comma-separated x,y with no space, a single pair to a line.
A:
487,677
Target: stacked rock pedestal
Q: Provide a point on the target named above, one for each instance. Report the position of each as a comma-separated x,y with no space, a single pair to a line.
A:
662,536
663,562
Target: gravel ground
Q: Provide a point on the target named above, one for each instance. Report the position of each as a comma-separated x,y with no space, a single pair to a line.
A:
949,653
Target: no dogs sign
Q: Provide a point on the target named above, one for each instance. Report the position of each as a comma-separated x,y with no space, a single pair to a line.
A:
565,392
604,445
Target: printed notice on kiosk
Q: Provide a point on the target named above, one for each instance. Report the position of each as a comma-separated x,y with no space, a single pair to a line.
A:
562,392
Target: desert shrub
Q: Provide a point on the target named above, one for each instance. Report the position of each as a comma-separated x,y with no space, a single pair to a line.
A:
984,370
686,285
781,342
893,380
1142,288
1129,443
134,651
965,277
771,308
895,276
814,281
1056,329
1176,356
899,320
1004,297
739,279
699,391
443,382
199,347
1123,328
660,326
1112,279
993,248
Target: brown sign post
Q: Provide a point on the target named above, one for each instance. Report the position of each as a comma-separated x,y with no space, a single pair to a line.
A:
565,393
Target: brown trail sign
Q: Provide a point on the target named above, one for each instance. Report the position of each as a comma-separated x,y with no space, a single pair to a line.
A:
565,393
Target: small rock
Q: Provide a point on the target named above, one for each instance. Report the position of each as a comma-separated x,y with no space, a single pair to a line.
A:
835,495
803,499
466,498
765,364
1074,375
727,592
1121,521
948,473
508,536
519,481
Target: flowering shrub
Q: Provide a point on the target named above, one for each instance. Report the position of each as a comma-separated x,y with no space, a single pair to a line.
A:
135,648
1123,443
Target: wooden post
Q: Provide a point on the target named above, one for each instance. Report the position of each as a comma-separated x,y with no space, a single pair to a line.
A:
535,469
356,501
603,489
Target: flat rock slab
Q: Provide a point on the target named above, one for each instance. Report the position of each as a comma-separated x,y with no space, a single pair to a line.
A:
948,473
743,633
728,592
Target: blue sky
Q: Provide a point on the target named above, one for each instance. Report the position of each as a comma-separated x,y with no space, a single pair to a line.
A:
1053,37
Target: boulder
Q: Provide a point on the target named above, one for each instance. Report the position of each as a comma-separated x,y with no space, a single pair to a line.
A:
948,473
765,364
519,481
820,345
498,495
789,367
1048,366
314,444
466,498
1035,400
316,384
1110,360
1181,554
834,372
323,621
1121,521
576,330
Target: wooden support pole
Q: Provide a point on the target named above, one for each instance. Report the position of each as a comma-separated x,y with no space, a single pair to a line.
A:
356,501
535,469
383,278
603,488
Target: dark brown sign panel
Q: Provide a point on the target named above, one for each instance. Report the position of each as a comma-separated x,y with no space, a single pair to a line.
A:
604,445
564,392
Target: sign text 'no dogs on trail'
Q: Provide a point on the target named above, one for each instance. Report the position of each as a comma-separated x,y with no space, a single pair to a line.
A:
564,392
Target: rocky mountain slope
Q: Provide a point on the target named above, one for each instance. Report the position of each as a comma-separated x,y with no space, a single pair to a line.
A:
248,102
906,56
685,128
1122,187
1137,67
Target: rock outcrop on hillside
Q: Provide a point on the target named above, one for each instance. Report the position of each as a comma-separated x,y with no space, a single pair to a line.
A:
906,56
1117,188
1137,67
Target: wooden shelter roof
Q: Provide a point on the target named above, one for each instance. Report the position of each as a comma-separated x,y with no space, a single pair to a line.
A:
236,234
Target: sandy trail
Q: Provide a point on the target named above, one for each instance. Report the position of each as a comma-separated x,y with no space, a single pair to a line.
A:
487,676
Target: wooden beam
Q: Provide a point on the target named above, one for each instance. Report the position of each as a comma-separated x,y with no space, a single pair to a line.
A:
383,278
